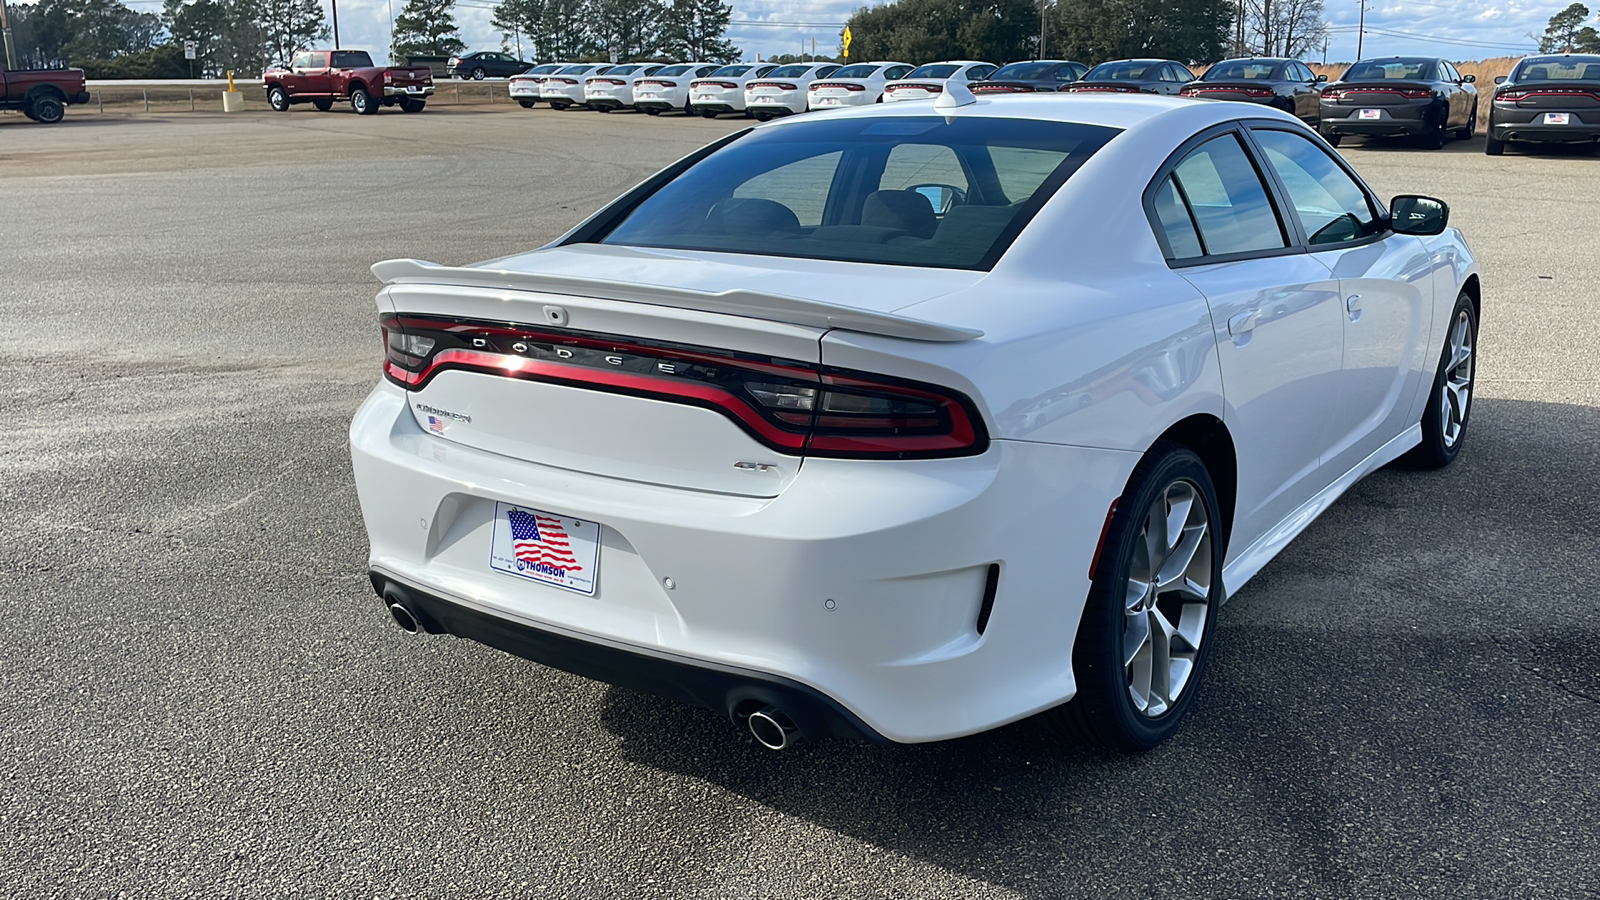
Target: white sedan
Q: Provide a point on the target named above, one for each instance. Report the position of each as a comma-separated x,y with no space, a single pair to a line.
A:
669,88
857,85
782,92
564,89
723,90
911,421
614,89
524,88
927,82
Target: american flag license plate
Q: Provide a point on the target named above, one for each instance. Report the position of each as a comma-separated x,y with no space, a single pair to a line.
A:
1556,118
1371,114
542,546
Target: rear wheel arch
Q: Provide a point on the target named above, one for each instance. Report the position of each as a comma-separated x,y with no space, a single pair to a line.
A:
354,86
46,91
1210,440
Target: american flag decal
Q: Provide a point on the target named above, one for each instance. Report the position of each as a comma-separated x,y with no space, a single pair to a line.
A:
541,543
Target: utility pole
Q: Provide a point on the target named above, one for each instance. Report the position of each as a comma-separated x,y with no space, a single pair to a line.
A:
1042,21
1361,28
335,5
5,32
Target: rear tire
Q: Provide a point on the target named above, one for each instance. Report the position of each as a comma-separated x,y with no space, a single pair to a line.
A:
477,74
559,107
1333,139
322,105
652,111
1444,419
1143,643
412,105
278,99
708,114
1466,134
362,102
1493,147
526,104
47,110
1438,135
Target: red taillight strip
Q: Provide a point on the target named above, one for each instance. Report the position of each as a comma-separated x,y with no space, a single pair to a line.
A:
658,82
963,433
998,88
839,84
526,369
780,85
1100,88
1563,93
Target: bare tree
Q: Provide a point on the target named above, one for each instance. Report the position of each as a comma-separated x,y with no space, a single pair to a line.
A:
1290,28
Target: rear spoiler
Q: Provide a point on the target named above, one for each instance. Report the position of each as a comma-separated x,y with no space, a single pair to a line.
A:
750,304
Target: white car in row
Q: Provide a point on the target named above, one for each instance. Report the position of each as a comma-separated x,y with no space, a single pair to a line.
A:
855,85
782,92
911,421
524,88
723,90
564,89
927,82
668,88
614,89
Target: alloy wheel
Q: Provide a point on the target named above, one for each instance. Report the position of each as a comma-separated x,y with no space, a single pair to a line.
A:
1456,397
1168,598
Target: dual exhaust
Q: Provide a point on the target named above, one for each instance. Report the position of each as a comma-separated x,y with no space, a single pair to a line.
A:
770,726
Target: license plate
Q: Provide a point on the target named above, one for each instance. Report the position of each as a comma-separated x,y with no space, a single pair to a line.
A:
1371,114
648,95
542,546
827,100
1556,118
704,97
766,90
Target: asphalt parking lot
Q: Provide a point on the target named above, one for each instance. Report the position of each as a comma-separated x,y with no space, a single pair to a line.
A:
202,697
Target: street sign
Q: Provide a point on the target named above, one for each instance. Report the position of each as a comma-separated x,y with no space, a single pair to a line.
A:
613,55
189,49
847,42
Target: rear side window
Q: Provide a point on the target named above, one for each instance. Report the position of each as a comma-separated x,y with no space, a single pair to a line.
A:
1226,202
1331,207
902,190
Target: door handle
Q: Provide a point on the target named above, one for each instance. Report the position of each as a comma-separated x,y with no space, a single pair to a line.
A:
1352,305
1243,323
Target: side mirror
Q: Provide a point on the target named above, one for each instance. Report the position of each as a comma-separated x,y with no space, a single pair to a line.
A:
1414,214
1500,79
1321,78
1468,79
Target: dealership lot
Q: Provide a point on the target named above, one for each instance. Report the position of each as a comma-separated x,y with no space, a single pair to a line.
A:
204,697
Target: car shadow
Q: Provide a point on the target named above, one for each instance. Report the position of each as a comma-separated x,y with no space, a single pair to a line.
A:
1374,687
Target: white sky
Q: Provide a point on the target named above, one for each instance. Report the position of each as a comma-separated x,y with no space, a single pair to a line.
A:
1468,29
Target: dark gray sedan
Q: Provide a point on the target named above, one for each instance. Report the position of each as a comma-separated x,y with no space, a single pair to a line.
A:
1403,95
1284,83
1030,77
1546,100
1133,76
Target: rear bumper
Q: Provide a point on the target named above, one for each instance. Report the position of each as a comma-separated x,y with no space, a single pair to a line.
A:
721,688
605,103
1415,119
716,106
79,98
653,104
862,583
1528,125
419,93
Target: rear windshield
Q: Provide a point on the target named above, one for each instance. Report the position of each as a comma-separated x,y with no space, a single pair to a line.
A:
574,70
351,59
624,70
788,71
1027,71
1117,71
674,70
1241,70
1558,68
939,70
856,72
544,70
732,71
1391,70
901,190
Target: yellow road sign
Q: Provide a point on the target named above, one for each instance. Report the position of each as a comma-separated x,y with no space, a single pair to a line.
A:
847,42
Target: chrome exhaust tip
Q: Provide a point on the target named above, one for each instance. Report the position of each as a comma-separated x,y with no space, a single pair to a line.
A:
772,729
404,618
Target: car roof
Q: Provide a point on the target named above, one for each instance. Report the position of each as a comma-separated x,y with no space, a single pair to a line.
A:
1123,112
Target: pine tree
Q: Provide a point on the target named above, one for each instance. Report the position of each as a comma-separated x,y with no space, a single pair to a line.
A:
630,28
524,18
426,28
289,26
1566,32
694,30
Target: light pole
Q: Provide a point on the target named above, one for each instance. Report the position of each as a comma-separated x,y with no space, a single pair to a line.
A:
1042,21
335,5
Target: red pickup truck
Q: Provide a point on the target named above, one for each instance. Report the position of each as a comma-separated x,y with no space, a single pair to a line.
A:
42,94
319,77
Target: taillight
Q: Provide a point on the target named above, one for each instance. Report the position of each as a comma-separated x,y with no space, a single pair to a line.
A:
792,407
717,84
1416,95
388,77
847,85
780,85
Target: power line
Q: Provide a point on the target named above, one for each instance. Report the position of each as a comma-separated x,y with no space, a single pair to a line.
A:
1465,42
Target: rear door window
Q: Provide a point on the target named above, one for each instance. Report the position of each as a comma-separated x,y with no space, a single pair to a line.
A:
1331,207
1226,200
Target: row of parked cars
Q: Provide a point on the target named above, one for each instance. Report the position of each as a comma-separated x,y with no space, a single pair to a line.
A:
1551,98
